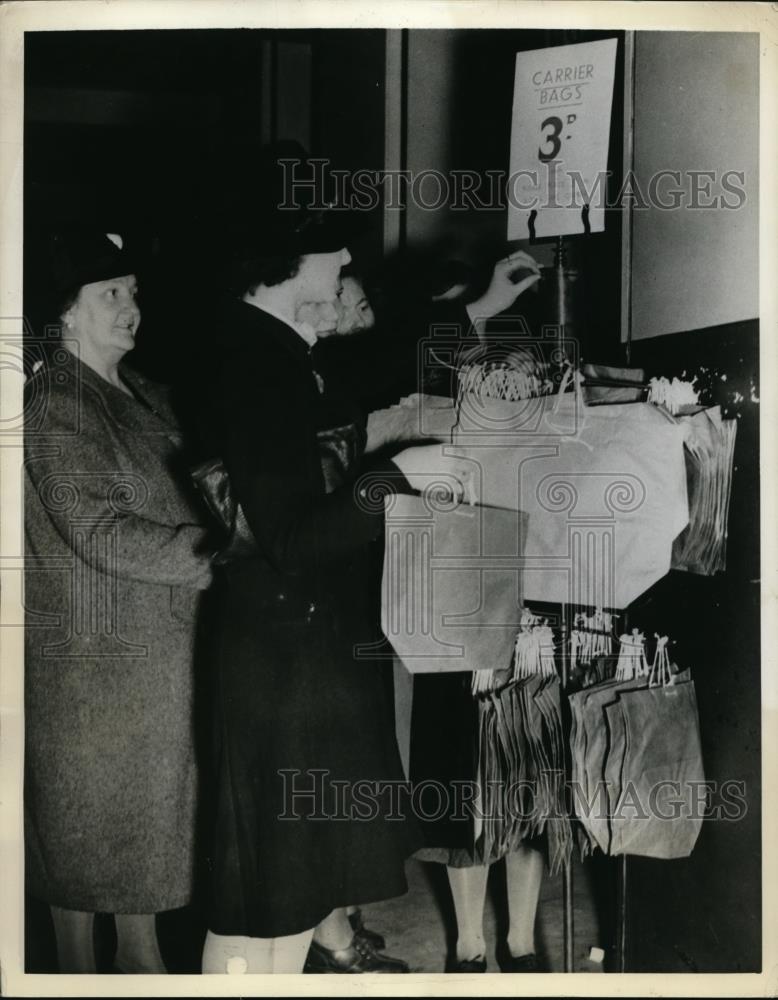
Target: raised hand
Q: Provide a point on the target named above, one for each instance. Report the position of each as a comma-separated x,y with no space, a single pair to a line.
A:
504,289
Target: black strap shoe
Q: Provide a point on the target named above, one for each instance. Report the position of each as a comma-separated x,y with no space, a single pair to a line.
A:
477,964
359,957
522,963
373,938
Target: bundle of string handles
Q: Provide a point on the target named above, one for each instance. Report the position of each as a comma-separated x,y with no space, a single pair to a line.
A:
633,663
533,654
590,639
503,380
590,646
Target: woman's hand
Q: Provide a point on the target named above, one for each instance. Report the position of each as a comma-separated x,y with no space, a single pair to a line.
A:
429,468
502,291
416,417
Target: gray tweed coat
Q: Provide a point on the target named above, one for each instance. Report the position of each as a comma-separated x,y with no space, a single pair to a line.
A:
115,563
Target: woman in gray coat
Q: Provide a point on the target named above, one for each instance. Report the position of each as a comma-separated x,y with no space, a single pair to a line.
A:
115,564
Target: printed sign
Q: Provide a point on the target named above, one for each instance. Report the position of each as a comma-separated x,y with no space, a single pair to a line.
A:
562,101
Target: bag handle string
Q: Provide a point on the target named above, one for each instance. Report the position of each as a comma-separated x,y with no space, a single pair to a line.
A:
661,674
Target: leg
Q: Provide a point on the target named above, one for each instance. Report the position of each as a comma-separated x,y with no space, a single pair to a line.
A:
335,931
524,871
137,948
238,954
287,953
338,948
468,888
373,938
74,931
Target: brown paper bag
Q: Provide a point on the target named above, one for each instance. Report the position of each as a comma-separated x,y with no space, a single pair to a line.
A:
451,590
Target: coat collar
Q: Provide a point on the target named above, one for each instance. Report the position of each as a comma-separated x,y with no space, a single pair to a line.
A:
250,323
146,411
303,330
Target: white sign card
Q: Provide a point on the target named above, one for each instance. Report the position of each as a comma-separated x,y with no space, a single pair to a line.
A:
562,101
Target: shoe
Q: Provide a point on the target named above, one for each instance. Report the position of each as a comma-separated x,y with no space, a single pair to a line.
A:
360,956
477,964
524,963
372,937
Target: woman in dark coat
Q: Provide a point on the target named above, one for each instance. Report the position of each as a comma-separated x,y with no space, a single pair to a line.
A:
115,564
305,751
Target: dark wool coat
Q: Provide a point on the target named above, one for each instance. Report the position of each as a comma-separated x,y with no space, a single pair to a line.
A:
114,568
297,709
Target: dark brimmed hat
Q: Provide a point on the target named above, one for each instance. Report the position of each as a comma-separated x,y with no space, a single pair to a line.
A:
286,233
264,224
82,257
323,231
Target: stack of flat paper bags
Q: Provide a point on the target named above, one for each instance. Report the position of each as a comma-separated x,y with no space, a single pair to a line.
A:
604,489
710,450
521,771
